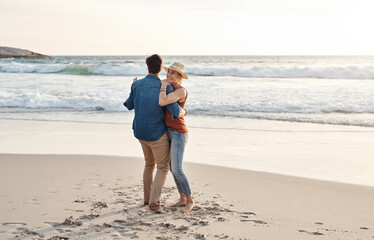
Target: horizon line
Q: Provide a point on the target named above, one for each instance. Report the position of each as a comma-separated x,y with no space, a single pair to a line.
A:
244,55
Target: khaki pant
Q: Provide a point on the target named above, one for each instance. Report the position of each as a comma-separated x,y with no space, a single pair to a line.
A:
155,153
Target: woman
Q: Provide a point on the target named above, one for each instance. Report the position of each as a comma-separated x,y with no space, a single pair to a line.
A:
178,131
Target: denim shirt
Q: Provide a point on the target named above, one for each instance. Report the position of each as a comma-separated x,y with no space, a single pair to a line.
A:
149,120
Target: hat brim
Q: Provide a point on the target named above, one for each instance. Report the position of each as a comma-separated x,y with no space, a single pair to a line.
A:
184,76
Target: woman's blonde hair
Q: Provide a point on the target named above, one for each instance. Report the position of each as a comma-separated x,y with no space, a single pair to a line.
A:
180,80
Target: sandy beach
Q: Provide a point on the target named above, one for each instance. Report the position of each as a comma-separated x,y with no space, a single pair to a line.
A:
100,197
53,188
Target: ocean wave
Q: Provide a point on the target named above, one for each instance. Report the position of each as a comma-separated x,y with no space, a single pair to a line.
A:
328,72
98,102
111,101
14,67
349,72
32,99
74,69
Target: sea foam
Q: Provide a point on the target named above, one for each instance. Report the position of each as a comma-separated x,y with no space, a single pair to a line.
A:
248,71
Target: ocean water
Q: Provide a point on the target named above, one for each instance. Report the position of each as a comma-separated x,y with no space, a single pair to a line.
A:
224,91
326,90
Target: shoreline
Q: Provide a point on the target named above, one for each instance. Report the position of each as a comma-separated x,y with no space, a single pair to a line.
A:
365,129
128,116
40,194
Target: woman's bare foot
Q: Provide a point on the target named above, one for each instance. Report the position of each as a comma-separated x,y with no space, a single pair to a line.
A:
188,207
181,203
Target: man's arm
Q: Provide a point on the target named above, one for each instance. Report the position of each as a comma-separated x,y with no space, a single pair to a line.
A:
129,103
174,108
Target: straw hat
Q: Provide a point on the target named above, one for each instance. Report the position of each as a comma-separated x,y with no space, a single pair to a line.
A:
179,67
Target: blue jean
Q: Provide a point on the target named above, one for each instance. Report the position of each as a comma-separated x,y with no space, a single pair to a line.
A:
178,142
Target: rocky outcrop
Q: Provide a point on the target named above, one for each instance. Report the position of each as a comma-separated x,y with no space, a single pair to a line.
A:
8,52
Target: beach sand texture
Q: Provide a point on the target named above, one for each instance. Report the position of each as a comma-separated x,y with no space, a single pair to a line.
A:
100,197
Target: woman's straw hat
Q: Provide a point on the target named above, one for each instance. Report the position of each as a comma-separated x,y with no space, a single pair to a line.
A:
179,67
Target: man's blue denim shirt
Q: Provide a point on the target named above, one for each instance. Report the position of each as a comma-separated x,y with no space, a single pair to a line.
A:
149,120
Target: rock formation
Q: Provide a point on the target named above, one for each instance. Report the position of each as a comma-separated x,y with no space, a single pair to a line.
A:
8,52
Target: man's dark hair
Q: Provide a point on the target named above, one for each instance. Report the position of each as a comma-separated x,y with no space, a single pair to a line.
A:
154,63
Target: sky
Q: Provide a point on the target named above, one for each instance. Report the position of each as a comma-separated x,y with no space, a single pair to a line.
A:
193,27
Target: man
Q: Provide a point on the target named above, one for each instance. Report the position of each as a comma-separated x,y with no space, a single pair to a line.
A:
150,129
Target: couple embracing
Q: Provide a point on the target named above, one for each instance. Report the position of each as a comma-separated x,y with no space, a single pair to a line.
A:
161,130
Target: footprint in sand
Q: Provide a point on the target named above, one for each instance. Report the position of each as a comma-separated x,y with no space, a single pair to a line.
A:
123,233
167,225
121,193
28,232
97,185
249,213
199,236
58,238
182,228
91,216
221,219
255,221
204,223
53,224
162,238
100,205
14,223
222,236
216,196
71,222
72,210
63,230
311,233
33,201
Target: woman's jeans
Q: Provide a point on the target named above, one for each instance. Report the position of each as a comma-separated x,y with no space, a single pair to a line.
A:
178,142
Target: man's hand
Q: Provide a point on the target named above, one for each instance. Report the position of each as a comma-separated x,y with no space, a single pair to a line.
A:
135,79
183,113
